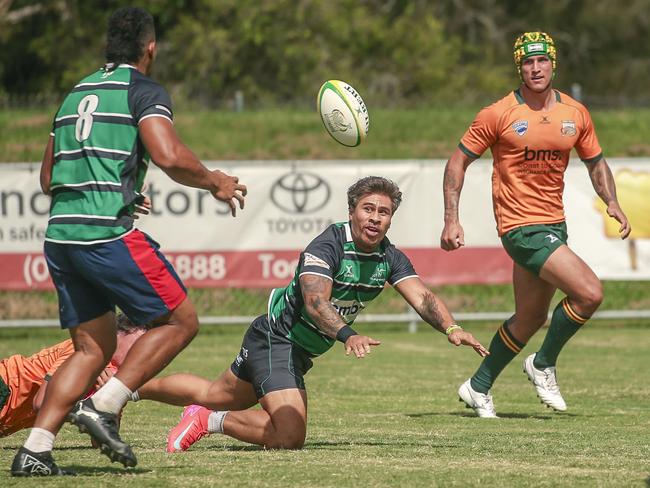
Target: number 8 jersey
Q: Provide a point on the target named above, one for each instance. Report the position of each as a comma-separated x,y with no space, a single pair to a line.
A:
99,159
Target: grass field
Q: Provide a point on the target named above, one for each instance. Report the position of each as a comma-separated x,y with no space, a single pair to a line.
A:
298,134
619,295
393,419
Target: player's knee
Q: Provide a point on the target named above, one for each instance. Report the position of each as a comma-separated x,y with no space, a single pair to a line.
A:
286,441
591,298
186,319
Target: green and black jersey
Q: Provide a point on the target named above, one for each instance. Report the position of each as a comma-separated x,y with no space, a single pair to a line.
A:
357,279
99,159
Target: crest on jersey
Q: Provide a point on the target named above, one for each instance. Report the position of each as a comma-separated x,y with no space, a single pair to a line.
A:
568,128
520,127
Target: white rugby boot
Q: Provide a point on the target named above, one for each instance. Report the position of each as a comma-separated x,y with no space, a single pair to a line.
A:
545,383
480,402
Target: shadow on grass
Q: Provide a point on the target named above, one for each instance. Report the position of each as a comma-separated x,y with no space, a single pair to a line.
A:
346,445
647,481
501,415
342,445
103,470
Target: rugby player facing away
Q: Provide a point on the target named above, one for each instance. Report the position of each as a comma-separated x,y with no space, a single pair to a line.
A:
338,274
24,380
107,129
531,132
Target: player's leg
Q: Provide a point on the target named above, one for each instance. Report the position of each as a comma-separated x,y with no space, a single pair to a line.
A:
140,280
157,347
94,343
282,424
227,392
565,270
135,276
268,367
532,299
90,319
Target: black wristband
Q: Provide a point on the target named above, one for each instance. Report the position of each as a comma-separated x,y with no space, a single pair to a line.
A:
345,333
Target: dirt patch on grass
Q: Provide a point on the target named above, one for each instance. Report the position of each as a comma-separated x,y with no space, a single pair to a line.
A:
28,305
33,121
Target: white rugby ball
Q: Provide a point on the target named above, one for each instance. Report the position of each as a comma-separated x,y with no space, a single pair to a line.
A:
343,113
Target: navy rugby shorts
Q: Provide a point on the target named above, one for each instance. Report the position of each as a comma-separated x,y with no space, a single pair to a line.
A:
130,273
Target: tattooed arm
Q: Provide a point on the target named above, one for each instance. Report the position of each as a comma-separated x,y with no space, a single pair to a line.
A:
317,294
434,312
452,235
603,182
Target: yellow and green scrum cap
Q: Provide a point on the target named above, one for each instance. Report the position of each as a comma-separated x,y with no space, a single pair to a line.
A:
533,44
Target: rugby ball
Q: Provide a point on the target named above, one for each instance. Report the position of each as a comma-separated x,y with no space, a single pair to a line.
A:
343,113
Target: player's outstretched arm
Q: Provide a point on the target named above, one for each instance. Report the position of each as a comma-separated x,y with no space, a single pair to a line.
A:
603,182
434,312
317,293
172,156
452,236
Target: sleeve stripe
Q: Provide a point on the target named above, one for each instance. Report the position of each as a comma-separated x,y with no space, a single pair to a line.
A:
317,274
156,115
405,278
467,152
595,159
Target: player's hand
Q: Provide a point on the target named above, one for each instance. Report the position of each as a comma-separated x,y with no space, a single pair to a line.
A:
359,345
228,190
142,207
460,336
452,236
614,210
104,376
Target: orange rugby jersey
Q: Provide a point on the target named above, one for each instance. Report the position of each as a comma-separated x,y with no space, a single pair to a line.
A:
531,153
24,376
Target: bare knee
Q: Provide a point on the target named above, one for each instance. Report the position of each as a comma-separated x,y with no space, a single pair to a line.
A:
95,353
284,441
186,319
589,299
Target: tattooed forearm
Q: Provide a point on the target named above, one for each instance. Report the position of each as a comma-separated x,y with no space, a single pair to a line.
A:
603,181
430,312
316,292
451,187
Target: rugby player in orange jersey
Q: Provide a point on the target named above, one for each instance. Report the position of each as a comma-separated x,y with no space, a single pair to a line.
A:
23,380
531,132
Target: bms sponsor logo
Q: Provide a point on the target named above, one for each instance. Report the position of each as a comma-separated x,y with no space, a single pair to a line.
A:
299,193
542,154
347,309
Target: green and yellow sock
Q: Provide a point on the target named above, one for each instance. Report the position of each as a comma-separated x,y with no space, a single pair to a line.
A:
503,348
564,324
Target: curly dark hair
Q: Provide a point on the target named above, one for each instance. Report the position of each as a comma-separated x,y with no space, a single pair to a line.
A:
124,324
374,184
129,31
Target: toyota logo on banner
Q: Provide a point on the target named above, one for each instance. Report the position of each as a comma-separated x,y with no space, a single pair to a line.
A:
300,192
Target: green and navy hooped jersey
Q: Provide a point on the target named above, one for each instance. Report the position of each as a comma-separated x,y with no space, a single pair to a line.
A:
357,279
99,159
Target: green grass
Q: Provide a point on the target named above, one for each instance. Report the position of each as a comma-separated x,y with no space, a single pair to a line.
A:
298,134
619,295
393,420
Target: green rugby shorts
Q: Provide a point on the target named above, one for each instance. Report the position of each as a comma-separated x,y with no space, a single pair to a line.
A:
531,245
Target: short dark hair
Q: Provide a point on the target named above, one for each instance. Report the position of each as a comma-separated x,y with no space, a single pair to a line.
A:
126,326
129,30
374,184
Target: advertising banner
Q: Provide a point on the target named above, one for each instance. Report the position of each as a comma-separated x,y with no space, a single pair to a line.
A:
289,203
